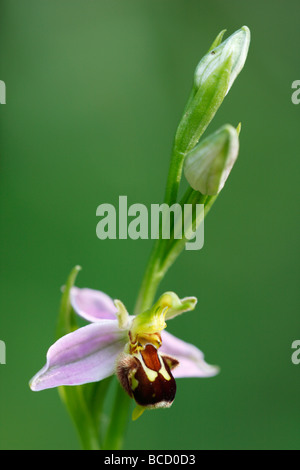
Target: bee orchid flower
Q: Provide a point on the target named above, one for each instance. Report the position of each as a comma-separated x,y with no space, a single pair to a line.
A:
145,358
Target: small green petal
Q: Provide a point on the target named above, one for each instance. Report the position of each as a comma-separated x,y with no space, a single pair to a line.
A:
175,305
137,412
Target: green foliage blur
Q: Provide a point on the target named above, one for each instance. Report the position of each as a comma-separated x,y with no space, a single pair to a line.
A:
95,91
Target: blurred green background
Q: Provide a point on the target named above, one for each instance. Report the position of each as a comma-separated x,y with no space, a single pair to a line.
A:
95,90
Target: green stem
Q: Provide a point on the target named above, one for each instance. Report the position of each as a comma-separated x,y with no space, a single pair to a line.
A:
118,422
74,399
150,281
153,274
177,159
165,253
174,176
176,246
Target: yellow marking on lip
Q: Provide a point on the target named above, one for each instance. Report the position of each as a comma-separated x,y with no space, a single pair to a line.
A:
151,374
134,383
163,371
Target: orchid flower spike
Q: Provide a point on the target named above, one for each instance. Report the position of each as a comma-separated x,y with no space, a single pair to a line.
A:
145,358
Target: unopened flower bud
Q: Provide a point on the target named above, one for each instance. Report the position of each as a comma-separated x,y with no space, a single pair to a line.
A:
236,46
209,164
213,78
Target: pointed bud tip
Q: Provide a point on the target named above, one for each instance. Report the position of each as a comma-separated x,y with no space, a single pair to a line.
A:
218,40
246,29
